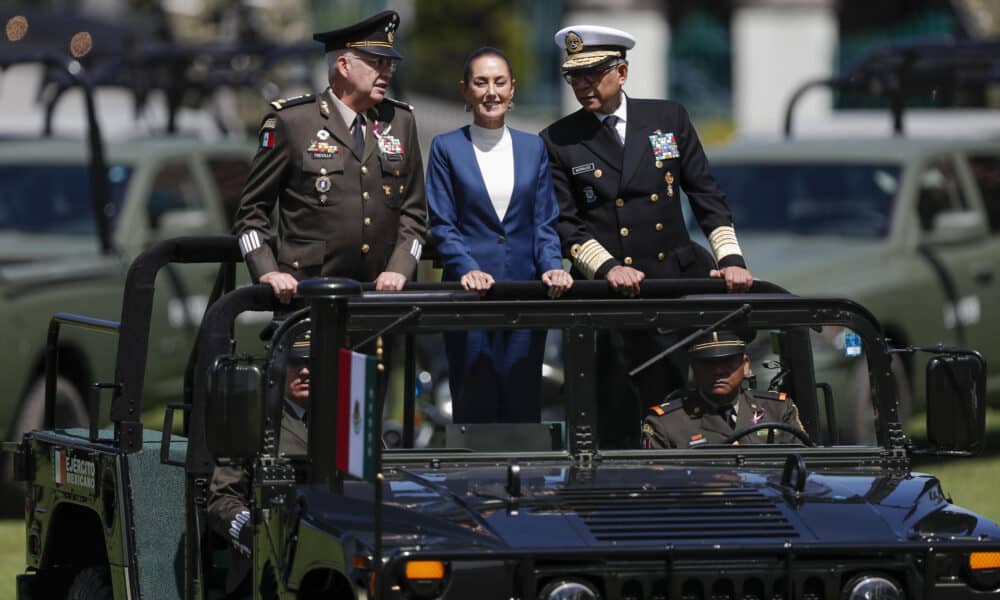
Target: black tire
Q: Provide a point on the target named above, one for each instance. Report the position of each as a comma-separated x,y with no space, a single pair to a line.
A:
91,583
70,412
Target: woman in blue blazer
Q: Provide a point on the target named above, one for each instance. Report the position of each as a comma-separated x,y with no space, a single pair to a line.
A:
493,213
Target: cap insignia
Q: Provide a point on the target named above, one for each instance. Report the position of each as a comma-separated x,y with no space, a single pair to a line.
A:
573,43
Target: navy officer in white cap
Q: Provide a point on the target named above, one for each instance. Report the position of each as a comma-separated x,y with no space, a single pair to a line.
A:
618,165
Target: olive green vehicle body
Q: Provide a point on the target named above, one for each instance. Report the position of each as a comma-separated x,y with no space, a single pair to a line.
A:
42,273
939,284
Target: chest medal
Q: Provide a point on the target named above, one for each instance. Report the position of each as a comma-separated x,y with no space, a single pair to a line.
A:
322,150
664,146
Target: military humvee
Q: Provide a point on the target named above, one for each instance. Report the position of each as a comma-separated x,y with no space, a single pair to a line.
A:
506,510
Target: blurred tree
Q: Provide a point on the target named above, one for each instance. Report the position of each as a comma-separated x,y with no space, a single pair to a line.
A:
444,32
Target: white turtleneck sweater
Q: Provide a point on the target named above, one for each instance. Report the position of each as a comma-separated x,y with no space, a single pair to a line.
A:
495,155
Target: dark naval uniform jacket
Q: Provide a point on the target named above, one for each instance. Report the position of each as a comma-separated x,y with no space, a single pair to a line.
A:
621,206
339,214
687,420
229,492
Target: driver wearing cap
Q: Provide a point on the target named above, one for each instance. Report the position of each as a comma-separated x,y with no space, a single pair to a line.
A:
717,409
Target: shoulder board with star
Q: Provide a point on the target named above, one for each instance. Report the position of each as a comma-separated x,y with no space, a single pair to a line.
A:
293,101
398,103
779,396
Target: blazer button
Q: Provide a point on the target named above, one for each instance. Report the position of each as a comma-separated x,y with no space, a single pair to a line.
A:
659,226
365,248
501,239
619,202
295,264
628,260
623,231
364,170
654,197
661,257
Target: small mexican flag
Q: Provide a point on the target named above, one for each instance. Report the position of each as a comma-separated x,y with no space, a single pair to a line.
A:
356,427
59,466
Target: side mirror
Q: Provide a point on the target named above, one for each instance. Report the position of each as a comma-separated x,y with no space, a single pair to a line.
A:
234,417
956,403
956,227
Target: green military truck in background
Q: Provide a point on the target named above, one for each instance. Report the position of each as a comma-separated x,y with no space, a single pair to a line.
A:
74,213
908,226
503,510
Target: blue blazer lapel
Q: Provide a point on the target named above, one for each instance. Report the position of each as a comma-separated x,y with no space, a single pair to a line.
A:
476,197
521,196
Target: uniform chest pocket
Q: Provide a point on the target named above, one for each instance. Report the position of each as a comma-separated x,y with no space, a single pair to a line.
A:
395,174
322,171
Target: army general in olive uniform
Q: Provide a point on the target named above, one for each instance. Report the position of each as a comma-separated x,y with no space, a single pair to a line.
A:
718,407
345,170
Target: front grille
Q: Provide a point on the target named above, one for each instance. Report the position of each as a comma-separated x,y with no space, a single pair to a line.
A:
623,515
762,578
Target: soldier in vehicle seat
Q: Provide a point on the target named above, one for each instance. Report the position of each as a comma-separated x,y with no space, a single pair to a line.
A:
718,406
229,491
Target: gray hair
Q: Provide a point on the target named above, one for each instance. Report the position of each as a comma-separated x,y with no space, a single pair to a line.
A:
331,60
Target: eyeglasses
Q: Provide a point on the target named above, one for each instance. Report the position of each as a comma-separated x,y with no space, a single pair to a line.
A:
590,76
381,63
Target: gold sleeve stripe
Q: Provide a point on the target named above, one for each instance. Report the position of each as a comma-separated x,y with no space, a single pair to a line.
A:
590,257
723,241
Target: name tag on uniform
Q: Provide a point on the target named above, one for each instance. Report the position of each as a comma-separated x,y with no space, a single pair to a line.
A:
587,168
322,150
664,146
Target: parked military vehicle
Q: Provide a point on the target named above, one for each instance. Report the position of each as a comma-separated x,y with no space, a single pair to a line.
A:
501,510
908,227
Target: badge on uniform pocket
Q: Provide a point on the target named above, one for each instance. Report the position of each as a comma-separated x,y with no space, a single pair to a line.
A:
390,147
664,146
322,150
589,195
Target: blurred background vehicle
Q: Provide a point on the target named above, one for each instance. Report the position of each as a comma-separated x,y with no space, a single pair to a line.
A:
909,226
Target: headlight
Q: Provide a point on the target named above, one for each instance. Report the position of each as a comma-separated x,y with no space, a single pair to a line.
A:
872,587
569,589
426,578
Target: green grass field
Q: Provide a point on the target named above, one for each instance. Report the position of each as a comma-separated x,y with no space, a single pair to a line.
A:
969,482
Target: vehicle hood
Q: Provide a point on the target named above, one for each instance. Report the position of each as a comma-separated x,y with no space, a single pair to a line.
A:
638,506
25,257
813,264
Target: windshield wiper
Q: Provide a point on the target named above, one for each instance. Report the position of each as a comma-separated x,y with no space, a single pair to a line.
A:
741,311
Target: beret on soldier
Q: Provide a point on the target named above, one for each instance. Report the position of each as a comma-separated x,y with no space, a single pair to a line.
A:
374,35
588,46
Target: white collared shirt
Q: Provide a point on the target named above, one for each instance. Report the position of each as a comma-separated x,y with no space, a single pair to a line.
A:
622,114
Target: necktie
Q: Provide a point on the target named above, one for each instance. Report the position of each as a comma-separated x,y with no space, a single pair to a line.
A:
729,414
610,123
359,133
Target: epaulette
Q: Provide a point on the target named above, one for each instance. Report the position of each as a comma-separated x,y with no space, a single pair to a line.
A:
398,103
293,101
779,396
665,408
